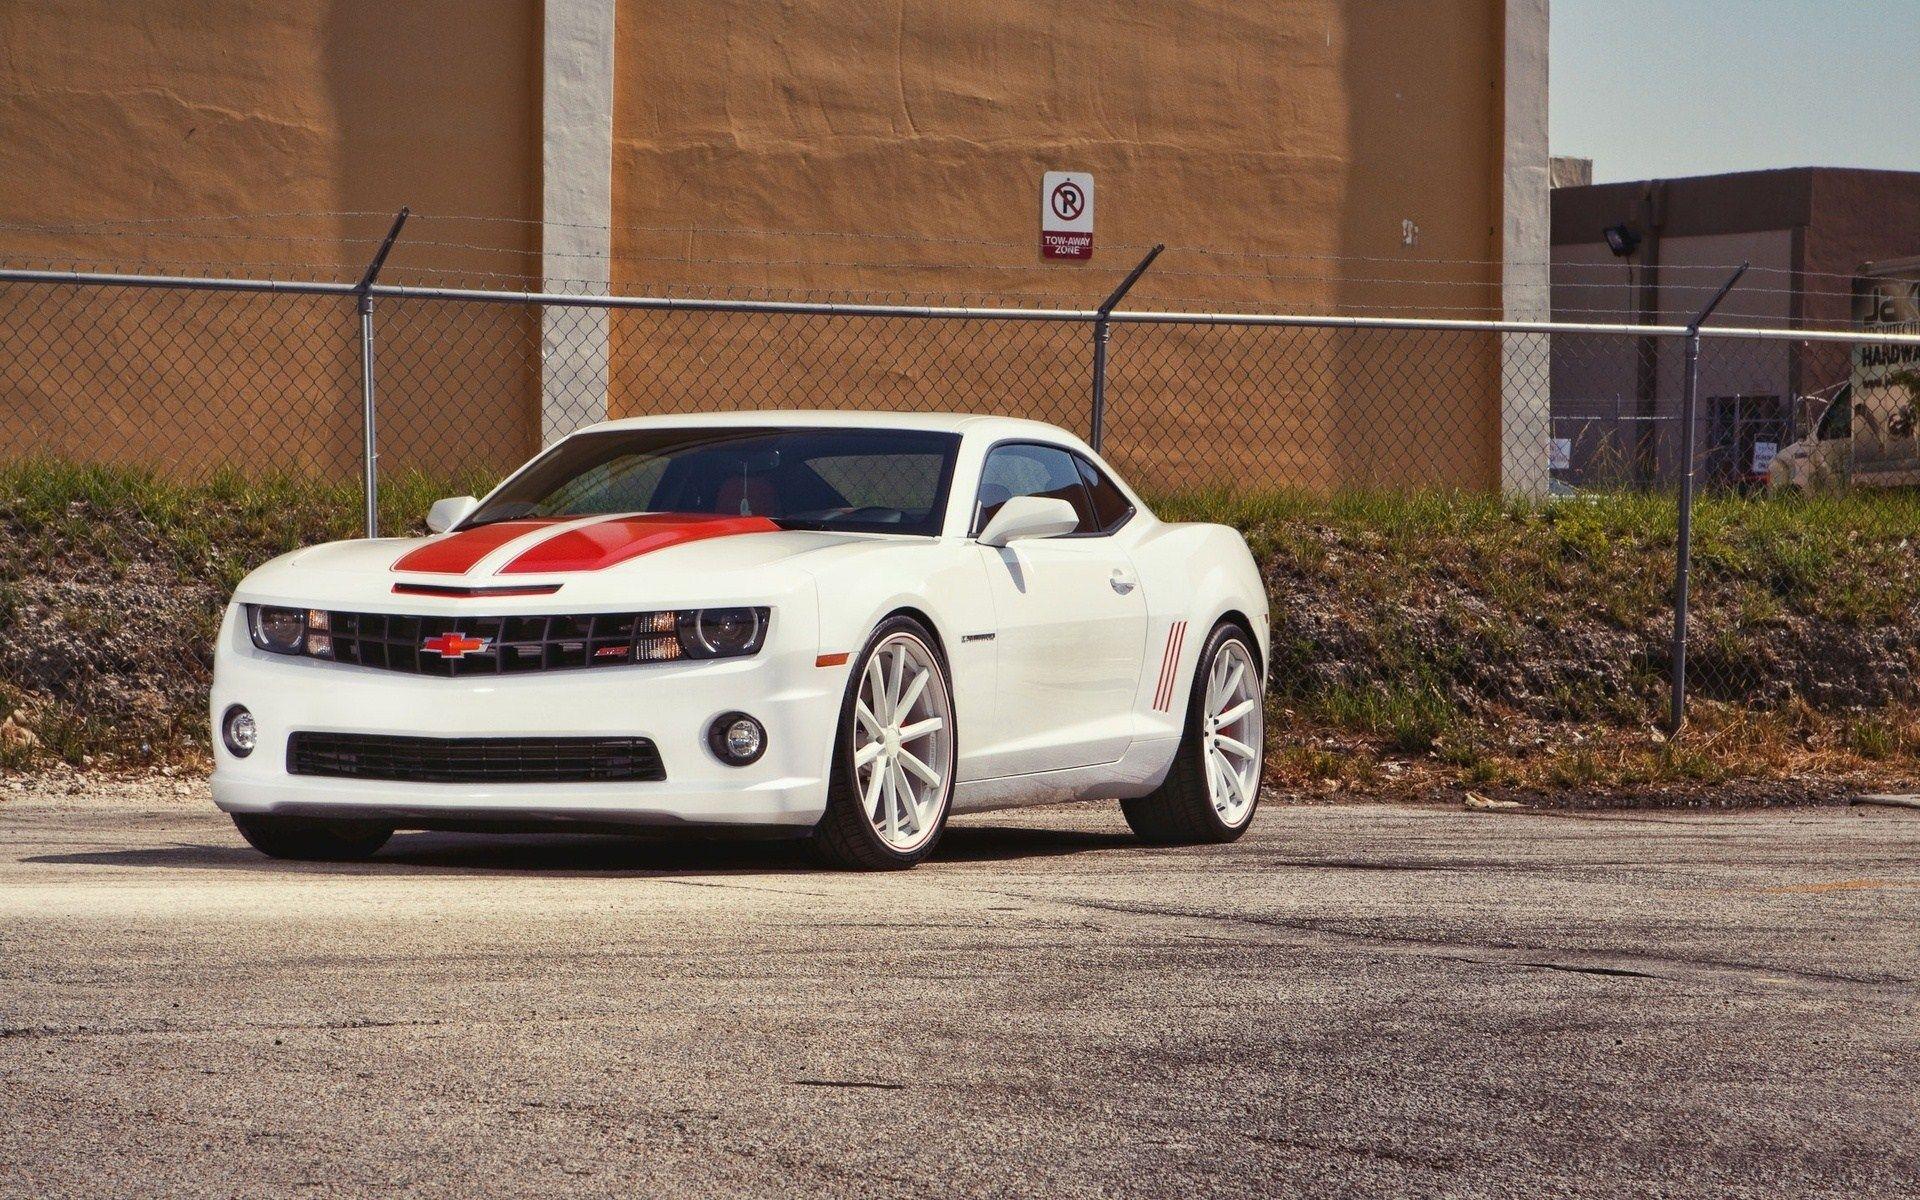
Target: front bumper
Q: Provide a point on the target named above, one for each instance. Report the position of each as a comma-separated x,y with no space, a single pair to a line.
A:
670,703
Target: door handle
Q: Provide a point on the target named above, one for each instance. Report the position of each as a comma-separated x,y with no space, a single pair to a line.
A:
1122,580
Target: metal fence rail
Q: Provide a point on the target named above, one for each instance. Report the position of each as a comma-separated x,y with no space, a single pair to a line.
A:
192,375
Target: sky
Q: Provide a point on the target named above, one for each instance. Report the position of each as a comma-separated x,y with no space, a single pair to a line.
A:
1662,88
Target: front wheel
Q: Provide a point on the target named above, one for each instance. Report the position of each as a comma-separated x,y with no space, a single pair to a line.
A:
1214,784
893,760
311,839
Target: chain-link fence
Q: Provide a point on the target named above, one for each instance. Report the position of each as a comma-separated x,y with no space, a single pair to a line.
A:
213,379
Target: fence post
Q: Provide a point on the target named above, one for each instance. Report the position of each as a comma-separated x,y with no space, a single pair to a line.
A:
1683,562
363,291
1102,329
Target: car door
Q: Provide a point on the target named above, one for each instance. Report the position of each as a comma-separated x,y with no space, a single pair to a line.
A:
1070,623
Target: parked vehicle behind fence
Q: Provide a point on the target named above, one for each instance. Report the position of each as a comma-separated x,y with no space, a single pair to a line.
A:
1867,435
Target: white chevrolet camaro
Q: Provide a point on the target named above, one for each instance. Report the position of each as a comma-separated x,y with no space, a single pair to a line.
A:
837,626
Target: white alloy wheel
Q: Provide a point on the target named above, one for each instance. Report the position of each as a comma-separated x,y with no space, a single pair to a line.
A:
1233,731
902,742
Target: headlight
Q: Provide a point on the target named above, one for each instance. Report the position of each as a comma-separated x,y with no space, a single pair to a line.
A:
281,630
722,632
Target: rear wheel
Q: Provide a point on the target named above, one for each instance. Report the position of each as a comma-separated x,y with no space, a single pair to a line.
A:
312,839
893,761
1213,787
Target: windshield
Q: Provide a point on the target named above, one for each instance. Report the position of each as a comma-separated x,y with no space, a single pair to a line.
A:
1837,421
859,480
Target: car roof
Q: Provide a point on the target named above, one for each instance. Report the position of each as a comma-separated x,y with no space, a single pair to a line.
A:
968,423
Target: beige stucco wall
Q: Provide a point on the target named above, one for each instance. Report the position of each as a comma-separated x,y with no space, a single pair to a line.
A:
209,108
1309,135
1304,128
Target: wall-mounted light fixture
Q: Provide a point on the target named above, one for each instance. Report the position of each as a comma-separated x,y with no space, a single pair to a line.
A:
1621,239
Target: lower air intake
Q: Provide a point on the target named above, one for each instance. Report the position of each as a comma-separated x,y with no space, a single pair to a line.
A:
475,760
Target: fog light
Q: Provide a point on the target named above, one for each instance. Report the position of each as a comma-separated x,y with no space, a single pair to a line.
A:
737,739
239,732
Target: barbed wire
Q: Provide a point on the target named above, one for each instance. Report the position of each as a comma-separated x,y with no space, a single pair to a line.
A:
1308,308
155,228
1164,272
1398,281
83,226
207,268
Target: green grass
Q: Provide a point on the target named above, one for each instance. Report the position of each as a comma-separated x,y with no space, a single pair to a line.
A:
1872,738
1441,596
69,531
1412,719
1444,589
220,527
1522,554
1849,557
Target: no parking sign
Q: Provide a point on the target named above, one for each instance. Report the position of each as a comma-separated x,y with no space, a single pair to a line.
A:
1066,214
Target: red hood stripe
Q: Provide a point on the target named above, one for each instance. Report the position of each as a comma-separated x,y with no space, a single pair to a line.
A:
460,552
617,539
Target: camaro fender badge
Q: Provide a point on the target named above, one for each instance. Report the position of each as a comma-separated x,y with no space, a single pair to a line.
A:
976,637
455,645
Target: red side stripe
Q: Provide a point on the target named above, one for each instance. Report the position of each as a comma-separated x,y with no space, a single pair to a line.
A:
1169,666
456,553
1173,675
617,539
1166,656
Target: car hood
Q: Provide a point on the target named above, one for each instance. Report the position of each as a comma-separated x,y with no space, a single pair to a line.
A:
637,559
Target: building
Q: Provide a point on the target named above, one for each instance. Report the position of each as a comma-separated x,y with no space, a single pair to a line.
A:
1806,231
1571,172
645,145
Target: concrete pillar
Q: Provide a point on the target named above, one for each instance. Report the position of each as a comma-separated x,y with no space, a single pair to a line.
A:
576,172
1526,412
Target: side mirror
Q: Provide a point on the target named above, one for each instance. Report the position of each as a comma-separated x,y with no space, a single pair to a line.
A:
445,514
1029,517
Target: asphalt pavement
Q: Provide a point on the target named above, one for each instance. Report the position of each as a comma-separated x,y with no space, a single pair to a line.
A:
1351,1000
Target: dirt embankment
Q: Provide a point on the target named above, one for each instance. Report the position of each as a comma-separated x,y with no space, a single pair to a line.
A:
1420,643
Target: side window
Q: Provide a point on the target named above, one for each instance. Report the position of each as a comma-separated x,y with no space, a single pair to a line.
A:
1030,470
1111,508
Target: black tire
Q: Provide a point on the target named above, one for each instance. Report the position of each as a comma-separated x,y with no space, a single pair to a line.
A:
1180,811
311,839
845,837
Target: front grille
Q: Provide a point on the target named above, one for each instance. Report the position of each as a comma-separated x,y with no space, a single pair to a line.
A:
395,642
475,760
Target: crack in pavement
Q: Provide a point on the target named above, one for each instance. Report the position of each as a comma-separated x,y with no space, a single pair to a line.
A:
161,1027
1636,966
741,887
1461,865
1433,1162
1620,972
